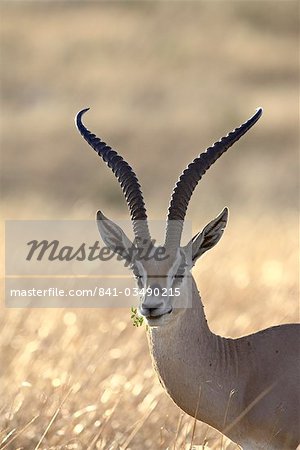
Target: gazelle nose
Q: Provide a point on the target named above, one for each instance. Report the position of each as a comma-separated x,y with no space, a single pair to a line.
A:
154,312
154,305
151,312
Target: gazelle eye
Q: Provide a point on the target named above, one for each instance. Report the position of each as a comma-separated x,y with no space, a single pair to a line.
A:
139,280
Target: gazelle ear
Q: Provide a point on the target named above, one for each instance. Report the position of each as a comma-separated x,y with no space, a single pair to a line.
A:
115,238
209,236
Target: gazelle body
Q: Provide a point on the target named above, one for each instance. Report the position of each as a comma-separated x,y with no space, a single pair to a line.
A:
247,388
217,380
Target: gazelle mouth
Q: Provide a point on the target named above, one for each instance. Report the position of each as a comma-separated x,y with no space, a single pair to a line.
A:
154,321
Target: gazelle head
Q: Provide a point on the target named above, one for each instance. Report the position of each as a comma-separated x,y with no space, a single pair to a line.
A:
162,272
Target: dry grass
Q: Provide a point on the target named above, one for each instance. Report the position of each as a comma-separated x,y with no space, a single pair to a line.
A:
97,357
156,74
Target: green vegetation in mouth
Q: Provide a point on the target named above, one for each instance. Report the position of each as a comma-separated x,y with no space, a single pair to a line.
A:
137,320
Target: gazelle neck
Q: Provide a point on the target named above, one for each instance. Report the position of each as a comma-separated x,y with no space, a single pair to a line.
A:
194,364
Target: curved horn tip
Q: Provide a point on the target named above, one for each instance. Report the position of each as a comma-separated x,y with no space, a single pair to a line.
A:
259,111
79,115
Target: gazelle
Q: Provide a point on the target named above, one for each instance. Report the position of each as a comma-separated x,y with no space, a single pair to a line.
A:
247,388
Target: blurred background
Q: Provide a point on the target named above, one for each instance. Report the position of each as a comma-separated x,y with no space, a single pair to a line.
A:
164,80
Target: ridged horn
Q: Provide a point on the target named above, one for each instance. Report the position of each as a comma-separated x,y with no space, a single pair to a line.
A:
190,177
125,176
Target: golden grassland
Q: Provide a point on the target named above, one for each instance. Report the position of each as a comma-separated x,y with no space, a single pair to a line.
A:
82,379
164,80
